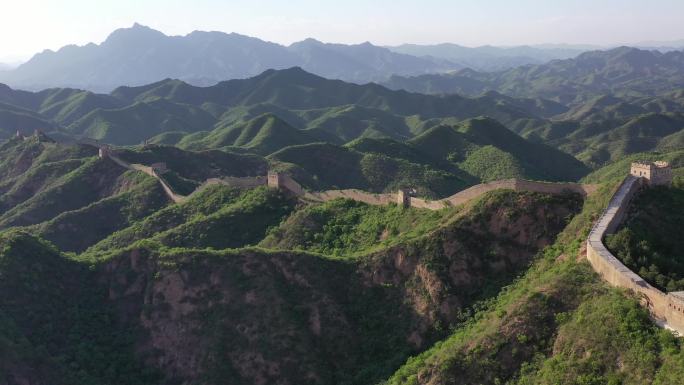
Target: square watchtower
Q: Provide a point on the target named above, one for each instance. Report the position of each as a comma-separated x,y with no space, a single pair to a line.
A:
654,173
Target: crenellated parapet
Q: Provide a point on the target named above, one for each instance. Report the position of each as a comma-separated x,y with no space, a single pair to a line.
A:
666,308
654,173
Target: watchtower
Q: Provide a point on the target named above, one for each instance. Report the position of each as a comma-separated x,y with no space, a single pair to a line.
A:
159,167
654,173
18,135
404,197
274,179
104,152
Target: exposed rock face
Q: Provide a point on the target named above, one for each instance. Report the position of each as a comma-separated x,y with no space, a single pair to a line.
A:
291,318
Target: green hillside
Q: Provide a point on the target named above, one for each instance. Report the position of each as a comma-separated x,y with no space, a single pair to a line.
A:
263,135
321,286
68,196
557,324
106,280
334,110
57,327
68,231
197,165
326,166
649,240
352,291
138,122
438,162
489,151
13,119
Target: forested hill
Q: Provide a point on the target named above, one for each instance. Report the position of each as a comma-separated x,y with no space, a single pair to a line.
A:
621,71
131,114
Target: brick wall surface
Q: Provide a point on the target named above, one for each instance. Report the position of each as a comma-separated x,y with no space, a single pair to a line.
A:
666,308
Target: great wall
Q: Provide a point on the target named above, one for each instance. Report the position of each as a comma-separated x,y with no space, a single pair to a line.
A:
402,197
667,309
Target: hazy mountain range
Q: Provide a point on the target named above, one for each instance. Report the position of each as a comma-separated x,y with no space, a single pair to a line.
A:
622,70
489,58
141,55
105,278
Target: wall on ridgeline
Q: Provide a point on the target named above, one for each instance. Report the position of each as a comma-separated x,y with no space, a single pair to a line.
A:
457,199
427,204
176,198
238,182
357,195
555,188
473,192
666,308
291,185
285,182
519,185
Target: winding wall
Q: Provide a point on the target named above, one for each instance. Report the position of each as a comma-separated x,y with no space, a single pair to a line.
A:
287,183
457,199
106,152
666,308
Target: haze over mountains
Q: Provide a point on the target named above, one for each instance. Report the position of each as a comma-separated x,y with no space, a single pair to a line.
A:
140,55
143,241
489,58
622,70
598,107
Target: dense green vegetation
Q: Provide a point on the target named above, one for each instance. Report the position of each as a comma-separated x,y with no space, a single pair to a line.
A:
649,242
359,289
343,227
218,217
621,71
279,109
437,163
617,170
262,114
141,197
558,324
603,105
103,280
148,243
57,327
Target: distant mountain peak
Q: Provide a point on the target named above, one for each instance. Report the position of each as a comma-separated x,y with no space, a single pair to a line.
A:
311,40
133,34
139,55
290,74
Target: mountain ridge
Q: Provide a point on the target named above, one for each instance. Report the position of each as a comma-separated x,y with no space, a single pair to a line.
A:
140,55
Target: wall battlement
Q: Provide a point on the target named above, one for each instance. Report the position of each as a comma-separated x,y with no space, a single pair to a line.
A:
654,173
666,308
403,197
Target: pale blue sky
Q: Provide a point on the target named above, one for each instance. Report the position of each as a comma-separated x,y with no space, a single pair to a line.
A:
29,26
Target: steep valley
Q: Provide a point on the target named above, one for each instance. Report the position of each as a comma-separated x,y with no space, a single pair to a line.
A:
195,292
290,229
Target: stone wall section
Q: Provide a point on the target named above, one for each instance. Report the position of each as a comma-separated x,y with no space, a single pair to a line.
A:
285,182
666,308
238,182
454,200
105,152
357,195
